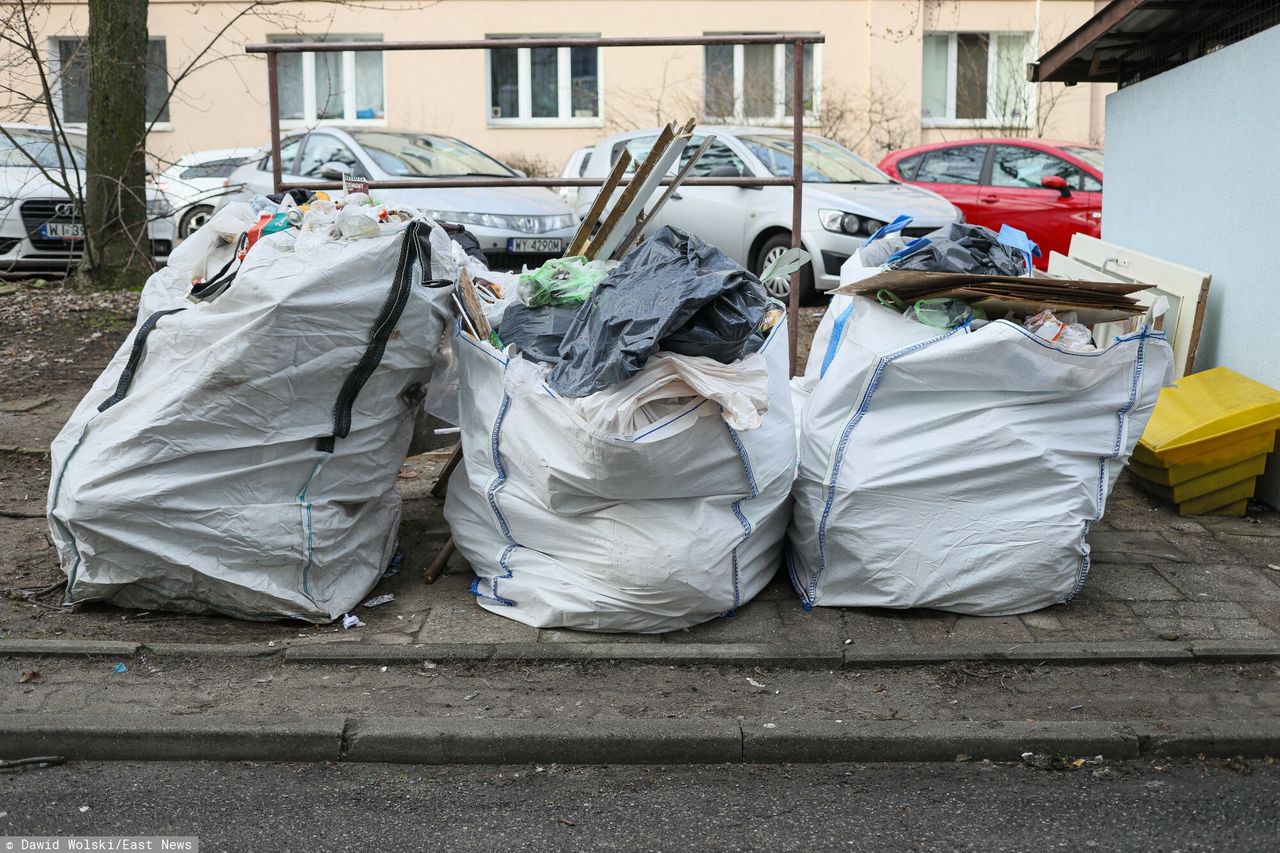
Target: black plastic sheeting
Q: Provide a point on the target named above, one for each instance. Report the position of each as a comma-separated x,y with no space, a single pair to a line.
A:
963,248
672,292
536,332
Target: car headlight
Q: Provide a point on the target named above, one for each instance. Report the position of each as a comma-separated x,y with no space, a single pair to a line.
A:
158,207
6,202
848,223
504,222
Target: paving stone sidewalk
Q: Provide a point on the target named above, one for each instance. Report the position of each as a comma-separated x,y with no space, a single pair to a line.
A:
1155,577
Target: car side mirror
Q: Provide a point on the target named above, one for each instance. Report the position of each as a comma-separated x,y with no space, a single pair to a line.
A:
333,170
1054,182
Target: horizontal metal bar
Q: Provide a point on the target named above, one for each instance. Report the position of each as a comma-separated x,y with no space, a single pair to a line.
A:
484,44
441,183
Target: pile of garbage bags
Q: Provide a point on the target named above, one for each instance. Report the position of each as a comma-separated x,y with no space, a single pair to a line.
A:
239,453
958,466
640,479
634,456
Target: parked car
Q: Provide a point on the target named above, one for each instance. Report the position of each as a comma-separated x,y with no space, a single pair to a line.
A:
515,225
575,167
40,232
194,183
845,200
1050,190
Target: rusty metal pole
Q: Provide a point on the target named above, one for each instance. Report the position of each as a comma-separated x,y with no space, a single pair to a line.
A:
273,106
797,191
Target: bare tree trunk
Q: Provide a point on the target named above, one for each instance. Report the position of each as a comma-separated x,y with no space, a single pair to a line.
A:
116,202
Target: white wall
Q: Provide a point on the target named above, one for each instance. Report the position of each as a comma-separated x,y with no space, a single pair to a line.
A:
1192,176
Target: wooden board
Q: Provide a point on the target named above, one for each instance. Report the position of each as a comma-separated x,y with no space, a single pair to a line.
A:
648,176
643,220
583,234
1187,289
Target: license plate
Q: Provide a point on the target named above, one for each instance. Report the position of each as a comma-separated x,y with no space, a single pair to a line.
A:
535,245
62,231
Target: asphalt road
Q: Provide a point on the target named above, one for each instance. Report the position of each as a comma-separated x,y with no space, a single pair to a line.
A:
1187,805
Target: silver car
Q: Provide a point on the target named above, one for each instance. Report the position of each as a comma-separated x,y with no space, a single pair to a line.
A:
846,199
515,225
40,228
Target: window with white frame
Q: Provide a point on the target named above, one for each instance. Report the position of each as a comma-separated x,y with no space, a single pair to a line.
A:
532,86
754,83
318,88
70,67
975,79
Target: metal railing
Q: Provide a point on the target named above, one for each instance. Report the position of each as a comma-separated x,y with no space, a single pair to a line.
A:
795,180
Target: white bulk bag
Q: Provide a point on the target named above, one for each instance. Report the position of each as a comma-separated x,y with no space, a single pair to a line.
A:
239,456
567,525
957,469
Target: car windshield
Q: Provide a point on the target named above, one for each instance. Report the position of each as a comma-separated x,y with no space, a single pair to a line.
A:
38,147
1092,156
824,161
423,155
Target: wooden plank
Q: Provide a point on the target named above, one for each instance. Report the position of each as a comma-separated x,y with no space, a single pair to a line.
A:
643,220
598,205
626,200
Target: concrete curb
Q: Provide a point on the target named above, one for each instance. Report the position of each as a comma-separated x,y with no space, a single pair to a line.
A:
68,648
827,741
467,741
154,737
712,654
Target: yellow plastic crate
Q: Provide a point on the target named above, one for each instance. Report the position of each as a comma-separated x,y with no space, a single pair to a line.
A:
1199,486
1233,496
1147,466
1215,410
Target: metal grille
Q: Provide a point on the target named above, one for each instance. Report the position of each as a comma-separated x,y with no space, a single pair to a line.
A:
1198,31
39,212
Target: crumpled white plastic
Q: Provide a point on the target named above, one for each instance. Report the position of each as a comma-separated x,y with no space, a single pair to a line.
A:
1064,331
669,381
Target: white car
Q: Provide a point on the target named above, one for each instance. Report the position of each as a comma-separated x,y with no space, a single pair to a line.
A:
846,199
516,226
40,232
194,183
575,167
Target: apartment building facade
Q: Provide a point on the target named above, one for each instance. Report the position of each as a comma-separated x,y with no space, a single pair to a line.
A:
891,72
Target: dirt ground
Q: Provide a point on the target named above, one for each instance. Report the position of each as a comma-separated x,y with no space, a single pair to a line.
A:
54,343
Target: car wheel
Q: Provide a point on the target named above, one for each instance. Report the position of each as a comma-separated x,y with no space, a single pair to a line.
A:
780,288
193,219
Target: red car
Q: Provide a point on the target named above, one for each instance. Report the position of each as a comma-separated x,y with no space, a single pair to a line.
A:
1050,190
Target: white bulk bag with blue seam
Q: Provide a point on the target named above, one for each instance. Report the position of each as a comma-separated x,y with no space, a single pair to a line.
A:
239,455
567,525
957,469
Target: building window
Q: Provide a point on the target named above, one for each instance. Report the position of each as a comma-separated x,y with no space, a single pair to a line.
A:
753,83
976,79
71,76
320,88
533,86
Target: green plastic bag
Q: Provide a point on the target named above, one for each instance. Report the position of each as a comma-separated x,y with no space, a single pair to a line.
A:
562,281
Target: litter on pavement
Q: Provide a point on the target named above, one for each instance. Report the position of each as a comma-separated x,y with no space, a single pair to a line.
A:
952,460
638,464
633,455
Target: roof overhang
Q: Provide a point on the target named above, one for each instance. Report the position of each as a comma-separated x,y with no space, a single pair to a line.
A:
1129,40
